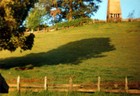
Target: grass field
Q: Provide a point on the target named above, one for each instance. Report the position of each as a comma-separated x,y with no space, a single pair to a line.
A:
109,50
45,93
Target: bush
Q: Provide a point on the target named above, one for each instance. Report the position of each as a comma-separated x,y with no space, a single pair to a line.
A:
73,23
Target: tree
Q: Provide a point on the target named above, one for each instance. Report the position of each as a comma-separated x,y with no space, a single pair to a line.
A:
73,9
34,19
131,15
12,15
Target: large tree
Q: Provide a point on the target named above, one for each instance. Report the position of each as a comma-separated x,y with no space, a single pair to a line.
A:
72,9
12,15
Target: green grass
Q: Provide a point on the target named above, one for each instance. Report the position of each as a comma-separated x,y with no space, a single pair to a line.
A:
45,93
109,50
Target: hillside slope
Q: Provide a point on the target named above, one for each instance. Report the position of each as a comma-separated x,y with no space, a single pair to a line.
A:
109,50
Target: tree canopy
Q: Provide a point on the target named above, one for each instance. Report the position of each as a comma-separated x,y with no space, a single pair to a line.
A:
34,19
12,15
73,9
65,9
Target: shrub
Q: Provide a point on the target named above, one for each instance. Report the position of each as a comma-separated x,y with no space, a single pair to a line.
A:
73,23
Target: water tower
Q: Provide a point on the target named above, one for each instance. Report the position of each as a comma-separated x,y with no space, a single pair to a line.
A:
114,11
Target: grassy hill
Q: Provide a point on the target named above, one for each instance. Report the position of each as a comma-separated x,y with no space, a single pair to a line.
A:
109,50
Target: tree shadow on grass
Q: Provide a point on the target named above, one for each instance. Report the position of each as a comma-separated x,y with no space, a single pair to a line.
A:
71,53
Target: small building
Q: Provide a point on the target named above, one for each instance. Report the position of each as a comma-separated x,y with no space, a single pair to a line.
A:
114,13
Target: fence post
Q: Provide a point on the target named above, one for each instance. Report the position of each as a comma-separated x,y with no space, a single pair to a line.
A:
99,83
45,83
71,84
18,83
126,84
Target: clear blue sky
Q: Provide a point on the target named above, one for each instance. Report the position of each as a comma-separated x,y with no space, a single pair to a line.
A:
127,7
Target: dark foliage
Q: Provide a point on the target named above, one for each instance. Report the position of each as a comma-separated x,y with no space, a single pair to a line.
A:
12,15
4,88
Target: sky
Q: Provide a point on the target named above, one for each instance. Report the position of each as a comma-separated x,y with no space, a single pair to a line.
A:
127,7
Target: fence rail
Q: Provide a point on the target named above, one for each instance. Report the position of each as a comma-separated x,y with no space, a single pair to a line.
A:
114,87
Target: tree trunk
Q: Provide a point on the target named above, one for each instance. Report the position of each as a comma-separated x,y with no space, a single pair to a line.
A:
70,11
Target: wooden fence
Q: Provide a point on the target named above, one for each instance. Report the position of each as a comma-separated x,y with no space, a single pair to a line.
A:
114,87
